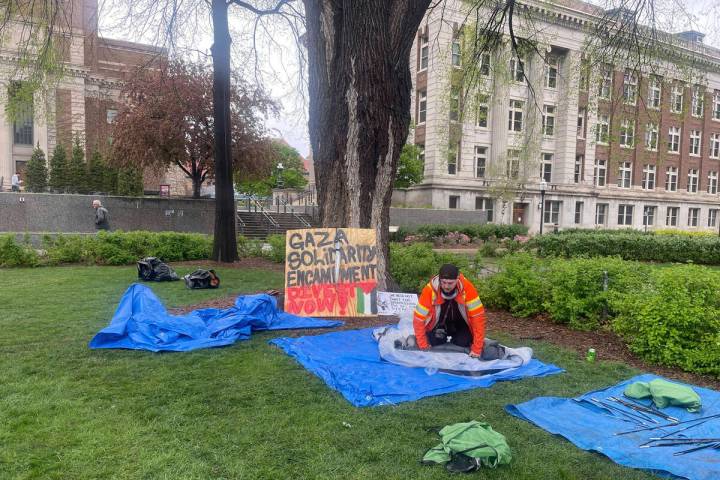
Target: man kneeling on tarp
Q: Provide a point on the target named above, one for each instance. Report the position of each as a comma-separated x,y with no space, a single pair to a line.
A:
449,310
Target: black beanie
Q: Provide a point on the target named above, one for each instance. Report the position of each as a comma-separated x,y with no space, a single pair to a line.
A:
449,272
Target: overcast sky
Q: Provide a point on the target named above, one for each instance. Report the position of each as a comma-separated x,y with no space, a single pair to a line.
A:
277,64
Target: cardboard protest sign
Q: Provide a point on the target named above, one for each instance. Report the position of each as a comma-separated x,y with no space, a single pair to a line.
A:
391,303
331,272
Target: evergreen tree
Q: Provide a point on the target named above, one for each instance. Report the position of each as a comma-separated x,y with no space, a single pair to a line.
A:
96,173
130,182
59,170
36,180
77,169
110,180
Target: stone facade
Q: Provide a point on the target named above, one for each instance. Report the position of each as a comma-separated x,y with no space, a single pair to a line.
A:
589,184
86,97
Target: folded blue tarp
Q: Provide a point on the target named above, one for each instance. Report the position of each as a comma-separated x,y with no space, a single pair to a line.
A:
350,363
142,323
589,428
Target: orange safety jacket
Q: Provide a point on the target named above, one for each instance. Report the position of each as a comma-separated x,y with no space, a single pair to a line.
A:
427,312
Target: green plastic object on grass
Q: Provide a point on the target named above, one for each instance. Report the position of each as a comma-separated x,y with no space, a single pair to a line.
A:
665,393
469,446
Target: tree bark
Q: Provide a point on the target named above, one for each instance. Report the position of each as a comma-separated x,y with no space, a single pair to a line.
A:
360,85
225,241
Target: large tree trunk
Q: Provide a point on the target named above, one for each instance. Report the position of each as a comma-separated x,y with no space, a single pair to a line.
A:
225,241
359,107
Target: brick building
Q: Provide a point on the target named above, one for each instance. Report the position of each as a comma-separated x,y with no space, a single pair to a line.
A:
85,99
609,146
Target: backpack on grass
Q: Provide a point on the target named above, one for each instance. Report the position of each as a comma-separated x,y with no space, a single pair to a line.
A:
152,269
201,278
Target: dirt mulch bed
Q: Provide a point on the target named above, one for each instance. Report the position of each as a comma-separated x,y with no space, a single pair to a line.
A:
607,345
250,262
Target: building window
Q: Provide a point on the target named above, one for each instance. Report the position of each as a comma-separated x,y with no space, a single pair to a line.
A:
546,167
716,106
698,102
674,140
483,111
551,72
695,138
512,165
421,154
579,168
624,175
651,137
712,217
627,133
603,129
671,217
600,173
485,64
23,124
110,115
648,181
578,212
601,210
605,83
712,187
693,216
517,70
649,215
552,212
422,106
654,92
715,145
456,54
454,160
581,123
515,116
676,99
454,201
486,205
424,52
629,87
584,76
625,214
548,120
454,105
692,186
671,179
480,161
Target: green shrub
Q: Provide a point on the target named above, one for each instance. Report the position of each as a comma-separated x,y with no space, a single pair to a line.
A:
277,248
674,319
519,287
476,232
631,246
413,265
13,254
248,247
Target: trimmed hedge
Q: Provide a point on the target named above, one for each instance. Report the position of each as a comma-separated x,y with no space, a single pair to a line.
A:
668,315
481,232
630,246
105,248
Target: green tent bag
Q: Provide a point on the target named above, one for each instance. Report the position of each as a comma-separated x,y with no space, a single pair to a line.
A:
469,446
665,393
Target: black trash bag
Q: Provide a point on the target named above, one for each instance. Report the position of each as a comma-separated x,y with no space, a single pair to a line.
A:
202,279
152,269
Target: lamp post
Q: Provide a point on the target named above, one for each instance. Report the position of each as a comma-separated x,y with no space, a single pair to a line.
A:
543,187
279,179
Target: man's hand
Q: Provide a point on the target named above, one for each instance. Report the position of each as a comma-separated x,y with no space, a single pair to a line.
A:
474,355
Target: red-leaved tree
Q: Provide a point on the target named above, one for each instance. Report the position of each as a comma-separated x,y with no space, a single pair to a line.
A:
167,120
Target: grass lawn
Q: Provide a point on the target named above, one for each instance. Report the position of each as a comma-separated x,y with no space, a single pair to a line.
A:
246,411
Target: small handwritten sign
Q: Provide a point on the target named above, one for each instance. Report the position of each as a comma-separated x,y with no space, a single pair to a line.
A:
391,303
331,272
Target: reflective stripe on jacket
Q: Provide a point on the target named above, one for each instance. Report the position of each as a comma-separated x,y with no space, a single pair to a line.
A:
471,308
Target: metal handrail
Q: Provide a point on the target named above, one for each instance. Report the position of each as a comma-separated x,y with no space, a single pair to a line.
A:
285,204
239,222
272,223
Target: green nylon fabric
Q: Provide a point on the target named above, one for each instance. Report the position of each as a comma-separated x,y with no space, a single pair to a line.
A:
665,393
474,439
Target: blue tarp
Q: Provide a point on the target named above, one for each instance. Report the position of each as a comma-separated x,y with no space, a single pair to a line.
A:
350,363
590,428
141,322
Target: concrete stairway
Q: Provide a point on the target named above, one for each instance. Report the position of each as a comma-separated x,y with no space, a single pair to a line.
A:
258,225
